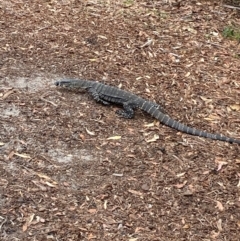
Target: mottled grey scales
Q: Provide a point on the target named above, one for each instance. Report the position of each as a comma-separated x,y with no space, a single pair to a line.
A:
106,95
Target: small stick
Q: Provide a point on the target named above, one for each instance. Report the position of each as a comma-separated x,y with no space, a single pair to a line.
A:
48,101
230,6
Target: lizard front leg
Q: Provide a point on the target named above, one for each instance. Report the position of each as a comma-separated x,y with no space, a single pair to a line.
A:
127,111
97,97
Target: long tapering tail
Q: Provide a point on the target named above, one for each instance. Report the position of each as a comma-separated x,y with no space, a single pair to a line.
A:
168,121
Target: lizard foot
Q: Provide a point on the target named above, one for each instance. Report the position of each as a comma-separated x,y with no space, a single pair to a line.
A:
124,114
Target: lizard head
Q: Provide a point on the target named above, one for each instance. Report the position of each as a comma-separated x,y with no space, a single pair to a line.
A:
66,83
72,83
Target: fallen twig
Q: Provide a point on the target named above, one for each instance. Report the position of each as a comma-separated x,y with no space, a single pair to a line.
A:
48,101
4,221
231,7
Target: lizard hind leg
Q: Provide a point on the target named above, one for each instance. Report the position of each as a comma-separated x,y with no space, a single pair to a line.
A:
127,112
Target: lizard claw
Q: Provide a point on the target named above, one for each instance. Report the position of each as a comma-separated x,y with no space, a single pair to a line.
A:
124,114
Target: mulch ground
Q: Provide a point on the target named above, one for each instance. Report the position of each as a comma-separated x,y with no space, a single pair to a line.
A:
70,169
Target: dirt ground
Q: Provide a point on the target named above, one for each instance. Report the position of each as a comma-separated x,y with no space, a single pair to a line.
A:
70,169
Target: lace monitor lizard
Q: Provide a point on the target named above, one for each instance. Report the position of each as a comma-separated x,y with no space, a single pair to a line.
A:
106,94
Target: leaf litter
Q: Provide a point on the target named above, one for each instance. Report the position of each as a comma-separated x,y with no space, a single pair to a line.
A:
90,188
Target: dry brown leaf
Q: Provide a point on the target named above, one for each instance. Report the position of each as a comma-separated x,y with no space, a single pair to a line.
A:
221,185
93,60
51,184
92,210
206,172
139,230
189,29
150,124
188,193
237,161
147,43
219,225
102,37
225,80
39,219
180,185
169,170
44,176
118,174
23,155
82,137
24,227
154,138
7,94
206,100
220,163
82,229
91,133
219,205
10,155
238,223
72,208
181,174
91,236
214,234
131,155
43,188
105,204
238,185
212,117
135,192
142,33
114,138
186,226
235,107
28,222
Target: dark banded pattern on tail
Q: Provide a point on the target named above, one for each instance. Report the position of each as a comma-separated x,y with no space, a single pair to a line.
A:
166,120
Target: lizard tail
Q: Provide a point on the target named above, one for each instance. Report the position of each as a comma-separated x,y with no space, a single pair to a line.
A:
168,121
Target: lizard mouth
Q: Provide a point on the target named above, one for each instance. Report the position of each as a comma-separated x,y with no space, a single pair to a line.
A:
72,83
